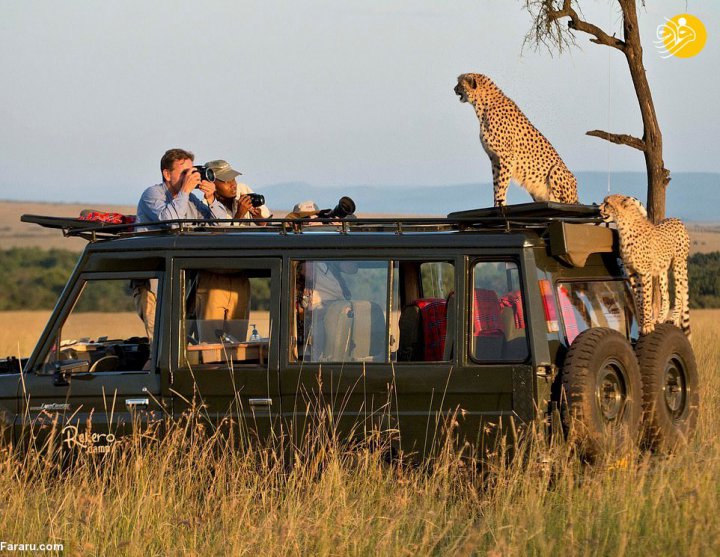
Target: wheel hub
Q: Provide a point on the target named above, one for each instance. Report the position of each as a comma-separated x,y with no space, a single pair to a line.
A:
611,391
675,387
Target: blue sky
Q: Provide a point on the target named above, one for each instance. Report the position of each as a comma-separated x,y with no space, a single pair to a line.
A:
319,91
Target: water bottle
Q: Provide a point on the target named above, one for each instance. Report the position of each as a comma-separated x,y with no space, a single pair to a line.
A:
254,336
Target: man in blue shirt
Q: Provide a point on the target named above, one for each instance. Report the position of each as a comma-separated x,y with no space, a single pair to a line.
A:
171,199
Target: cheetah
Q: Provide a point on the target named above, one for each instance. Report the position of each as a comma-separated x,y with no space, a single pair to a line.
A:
648,251
517,150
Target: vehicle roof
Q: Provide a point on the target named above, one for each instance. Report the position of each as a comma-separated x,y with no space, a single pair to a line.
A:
497,227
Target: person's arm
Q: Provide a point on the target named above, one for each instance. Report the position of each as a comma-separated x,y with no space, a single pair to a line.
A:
154,203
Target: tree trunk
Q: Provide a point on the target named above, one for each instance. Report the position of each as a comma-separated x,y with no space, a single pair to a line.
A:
658,176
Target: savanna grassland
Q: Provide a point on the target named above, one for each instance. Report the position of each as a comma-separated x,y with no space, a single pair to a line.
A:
191,495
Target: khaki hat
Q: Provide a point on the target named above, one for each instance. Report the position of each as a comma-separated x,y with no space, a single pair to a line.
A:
222,169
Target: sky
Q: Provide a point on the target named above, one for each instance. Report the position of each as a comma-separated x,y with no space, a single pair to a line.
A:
324,92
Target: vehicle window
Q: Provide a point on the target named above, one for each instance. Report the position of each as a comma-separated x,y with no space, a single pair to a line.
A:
341,311
226,316
596,304
438,279
426,320
104,331
497,327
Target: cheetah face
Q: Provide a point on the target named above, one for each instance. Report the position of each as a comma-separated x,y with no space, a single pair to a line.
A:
460,89
606,213
474,87
617,205
610,207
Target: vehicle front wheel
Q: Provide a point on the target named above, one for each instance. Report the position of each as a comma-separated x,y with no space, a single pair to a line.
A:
601,395
670,388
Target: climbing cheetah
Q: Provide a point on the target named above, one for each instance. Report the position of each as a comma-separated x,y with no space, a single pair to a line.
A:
517,150
648,251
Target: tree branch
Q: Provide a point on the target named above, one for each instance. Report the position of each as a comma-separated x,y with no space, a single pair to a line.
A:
577,24
619,138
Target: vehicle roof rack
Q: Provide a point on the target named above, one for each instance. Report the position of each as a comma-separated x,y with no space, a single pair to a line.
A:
526,215
540,210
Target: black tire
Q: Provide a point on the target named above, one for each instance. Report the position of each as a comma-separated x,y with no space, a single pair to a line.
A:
670,388
601,395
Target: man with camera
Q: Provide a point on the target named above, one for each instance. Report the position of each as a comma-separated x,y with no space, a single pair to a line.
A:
239,200
171,199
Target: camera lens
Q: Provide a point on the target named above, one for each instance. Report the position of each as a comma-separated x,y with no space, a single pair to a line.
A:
345,207
205,173
257,199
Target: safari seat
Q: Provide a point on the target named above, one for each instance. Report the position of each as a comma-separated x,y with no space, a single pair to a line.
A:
423,327
488,334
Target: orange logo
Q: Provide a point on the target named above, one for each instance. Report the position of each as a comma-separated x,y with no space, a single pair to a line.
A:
683,36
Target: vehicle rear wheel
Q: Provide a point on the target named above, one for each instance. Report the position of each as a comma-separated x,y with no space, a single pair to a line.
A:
670,388
601,403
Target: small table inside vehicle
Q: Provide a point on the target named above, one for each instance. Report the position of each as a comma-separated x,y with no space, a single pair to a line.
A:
218,352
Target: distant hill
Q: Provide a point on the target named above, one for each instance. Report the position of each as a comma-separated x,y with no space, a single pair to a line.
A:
690,196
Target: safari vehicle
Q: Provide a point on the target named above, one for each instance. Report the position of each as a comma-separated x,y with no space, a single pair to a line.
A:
494,317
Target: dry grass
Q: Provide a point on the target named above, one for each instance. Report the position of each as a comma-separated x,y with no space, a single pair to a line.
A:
188,496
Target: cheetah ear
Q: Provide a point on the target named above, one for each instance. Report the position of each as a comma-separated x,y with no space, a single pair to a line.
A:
471,81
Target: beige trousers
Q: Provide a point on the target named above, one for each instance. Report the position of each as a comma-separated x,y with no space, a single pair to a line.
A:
145,304
224,297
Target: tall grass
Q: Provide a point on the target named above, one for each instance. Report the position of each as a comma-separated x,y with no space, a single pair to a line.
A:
195,492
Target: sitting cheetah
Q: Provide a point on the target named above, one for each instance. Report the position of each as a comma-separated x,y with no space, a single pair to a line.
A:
516,149
648,251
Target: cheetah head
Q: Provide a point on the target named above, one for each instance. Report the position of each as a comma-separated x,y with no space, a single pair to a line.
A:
617,206
473,87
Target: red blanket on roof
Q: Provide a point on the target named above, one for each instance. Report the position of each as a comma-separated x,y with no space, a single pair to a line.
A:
108,218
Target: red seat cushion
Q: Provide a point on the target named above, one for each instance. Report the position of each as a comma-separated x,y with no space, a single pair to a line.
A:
433,316
513,300
486,312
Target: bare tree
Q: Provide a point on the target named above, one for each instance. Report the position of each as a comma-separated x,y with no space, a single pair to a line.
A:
548,30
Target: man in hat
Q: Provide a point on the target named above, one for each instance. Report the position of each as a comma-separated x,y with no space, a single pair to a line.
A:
235,197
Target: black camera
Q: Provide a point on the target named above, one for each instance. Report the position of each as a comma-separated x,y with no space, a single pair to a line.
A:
256,199
343,209
205,173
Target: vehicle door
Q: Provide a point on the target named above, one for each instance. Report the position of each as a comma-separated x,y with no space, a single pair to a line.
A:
462,368
337,382
95,373
226,363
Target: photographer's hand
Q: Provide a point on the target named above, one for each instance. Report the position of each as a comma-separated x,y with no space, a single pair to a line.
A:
256,213
208,188
191,179
244,206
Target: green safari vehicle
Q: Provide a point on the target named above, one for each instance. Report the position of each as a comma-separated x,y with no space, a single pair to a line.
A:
491,317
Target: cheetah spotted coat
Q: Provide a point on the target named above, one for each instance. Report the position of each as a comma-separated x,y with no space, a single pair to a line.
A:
648,251
517,150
